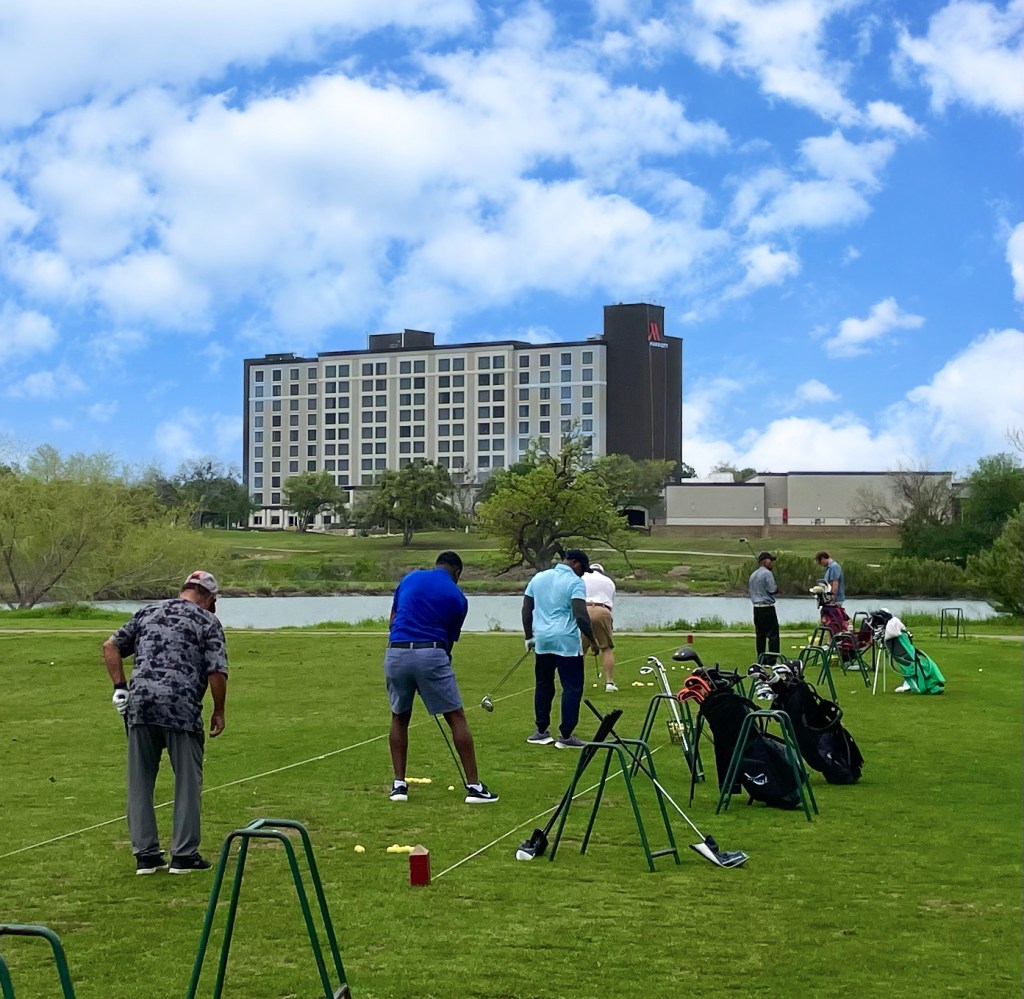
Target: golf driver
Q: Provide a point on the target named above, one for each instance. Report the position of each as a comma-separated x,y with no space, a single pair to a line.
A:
537,844
451,749
487,704
707,847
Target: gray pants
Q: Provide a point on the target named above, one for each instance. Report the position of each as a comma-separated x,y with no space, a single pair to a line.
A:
146,744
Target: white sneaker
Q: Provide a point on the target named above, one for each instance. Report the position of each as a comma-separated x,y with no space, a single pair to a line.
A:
902,688
610,688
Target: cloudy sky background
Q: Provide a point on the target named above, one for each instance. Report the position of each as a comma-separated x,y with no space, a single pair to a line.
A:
825,195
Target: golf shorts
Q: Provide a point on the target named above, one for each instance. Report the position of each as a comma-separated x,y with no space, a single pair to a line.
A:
601,626
426,671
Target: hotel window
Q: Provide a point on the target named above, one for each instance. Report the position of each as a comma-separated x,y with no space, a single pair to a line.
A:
259,376
382,367
588,391
483,413
458,381
380,448
367,369
458,364
545,427
483,379
545,393
545,410
418,447
588,426
275,376
588,357
330,371
275,390
405,367
545,360
444,364
366,448
404,447
458,397
498,362
566,426
566,375
310,466
524,377
258,391
498,428
483,363
588,409
545,377
483,428
458,413
293,373
566,409
483,462
588,374
329,465
566,358
524,394
484,395
498,444
293,466
310,450
524,360
524,443
498,379
419,367
524,427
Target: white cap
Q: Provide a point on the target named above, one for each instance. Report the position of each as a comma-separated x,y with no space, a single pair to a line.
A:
597,567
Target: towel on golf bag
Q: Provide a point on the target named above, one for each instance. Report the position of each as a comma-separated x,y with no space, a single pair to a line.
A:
764,772
824,743
919,670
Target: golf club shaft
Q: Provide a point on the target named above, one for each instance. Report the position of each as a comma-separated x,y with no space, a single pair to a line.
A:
451,749
635,756
515,666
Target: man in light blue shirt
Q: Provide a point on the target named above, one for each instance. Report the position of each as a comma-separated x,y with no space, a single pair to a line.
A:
833,576
554,617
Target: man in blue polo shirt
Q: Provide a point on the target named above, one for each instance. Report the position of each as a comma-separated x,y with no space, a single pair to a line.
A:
427,613
554,616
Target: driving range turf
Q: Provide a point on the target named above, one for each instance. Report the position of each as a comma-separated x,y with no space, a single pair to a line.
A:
906,884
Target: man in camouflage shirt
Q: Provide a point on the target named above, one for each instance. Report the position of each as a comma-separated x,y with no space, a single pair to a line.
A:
178,646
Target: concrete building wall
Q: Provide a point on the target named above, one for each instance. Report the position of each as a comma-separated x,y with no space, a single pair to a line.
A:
698,503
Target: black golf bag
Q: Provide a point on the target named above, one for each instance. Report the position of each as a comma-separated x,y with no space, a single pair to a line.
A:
764,772
824,743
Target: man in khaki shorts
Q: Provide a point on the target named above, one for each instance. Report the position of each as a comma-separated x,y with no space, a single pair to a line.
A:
600,598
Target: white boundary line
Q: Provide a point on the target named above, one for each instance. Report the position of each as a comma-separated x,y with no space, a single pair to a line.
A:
278,770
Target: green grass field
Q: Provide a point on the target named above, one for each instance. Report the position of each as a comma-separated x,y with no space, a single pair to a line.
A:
907,884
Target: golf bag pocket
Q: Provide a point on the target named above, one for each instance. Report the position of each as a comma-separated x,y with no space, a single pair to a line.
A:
764,772
824,743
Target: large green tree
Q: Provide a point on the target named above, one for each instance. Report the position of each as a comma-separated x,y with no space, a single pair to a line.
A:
208,492
999,570
311,493
63,539
414,498
560,502
632,483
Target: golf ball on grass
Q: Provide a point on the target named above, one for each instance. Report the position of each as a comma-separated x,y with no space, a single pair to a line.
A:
451,787
359,849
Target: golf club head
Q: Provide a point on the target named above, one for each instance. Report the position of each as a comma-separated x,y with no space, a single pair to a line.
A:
646,670
535,846
709,850
756,670
687,655
486,704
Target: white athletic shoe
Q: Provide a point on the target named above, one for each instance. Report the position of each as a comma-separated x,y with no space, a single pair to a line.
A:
903,688
610,688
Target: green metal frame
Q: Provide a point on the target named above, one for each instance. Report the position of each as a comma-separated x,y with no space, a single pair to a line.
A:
686,734
793,757
617,748
952,622
815,653
30,930
270,829
857,663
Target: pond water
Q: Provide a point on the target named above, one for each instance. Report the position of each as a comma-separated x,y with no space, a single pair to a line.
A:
502,613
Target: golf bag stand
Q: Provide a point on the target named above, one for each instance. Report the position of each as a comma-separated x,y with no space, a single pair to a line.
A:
793,758
682,722
270,829
611,749
30,930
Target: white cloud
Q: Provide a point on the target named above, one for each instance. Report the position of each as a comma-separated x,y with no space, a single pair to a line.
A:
973,53
101,412
815,391
1015,258
24,333
54,51
54,384
781,43
764,266
191,434
855,335
113,346
15,215
837,159
976,397
889,117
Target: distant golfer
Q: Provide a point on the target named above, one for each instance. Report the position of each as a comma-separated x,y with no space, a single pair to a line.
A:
554,617
763,588
427,614
833,576
179,651
600,600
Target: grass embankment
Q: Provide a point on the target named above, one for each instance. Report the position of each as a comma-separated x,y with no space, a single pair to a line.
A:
908,883
276,562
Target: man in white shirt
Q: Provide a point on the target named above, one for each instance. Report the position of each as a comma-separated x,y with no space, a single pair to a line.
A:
600,598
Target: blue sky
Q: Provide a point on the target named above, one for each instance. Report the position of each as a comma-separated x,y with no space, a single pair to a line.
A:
825,195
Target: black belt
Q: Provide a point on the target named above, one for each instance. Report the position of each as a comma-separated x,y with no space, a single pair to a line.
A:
417,645
764,605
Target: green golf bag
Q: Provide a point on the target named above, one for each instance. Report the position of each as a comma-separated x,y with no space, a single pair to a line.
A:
917,668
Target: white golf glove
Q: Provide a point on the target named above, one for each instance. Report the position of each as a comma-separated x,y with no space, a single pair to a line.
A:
120,701
530,643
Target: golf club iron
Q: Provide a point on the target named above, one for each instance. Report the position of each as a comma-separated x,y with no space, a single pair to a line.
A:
486,703
537,844
451,749
707,847
744,541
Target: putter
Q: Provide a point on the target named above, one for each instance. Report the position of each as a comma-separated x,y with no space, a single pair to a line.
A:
451,749
537,844
486,703
707,847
